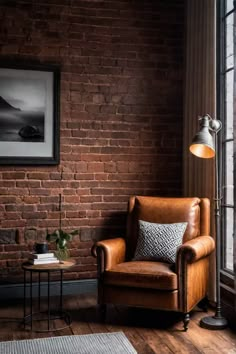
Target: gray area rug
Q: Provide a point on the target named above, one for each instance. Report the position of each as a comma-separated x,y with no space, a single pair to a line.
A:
112,343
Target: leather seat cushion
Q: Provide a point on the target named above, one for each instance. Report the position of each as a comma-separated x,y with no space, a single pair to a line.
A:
142,274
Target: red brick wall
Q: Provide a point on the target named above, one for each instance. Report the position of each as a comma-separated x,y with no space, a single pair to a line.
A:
121,118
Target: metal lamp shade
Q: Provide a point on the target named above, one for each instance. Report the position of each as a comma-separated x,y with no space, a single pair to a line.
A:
202,144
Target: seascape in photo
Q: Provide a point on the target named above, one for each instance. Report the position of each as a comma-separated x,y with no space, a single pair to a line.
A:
22,109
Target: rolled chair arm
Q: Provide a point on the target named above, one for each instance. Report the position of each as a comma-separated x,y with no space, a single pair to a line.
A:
197,248
113,249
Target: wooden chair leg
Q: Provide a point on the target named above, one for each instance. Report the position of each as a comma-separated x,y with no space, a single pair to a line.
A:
186,321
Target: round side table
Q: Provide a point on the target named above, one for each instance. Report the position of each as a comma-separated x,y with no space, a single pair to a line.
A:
46,317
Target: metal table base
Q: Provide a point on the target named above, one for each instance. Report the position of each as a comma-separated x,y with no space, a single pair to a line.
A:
49,319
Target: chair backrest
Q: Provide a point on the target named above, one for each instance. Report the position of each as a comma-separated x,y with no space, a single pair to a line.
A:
195,211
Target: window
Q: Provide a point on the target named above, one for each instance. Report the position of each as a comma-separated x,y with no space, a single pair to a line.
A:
226,112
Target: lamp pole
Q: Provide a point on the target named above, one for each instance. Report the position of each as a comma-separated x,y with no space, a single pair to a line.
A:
203,140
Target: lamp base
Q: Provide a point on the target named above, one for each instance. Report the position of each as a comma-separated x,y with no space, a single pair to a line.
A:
213,322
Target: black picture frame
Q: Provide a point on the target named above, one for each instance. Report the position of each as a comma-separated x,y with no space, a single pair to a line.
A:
29,114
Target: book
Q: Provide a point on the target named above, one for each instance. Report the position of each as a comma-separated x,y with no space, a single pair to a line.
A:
41,255
49,260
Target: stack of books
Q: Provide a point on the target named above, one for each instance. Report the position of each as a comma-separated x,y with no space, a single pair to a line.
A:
43,258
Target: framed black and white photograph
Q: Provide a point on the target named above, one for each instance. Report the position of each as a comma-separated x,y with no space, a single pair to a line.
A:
29,114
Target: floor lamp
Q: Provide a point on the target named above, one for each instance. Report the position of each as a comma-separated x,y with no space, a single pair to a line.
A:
204,146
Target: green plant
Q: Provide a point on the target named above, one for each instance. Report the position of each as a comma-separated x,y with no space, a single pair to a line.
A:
61,238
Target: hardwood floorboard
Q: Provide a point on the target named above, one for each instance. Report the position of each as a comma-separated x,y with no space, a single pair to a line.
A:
117,320
208,341
76,306
149,331
160,330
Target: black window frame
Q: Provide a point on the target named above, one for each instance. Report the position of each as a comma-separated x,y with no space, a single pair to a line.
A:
226,275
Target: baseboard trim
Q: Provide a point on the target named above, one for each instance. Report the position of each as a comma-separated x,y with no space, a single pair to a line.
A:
70,287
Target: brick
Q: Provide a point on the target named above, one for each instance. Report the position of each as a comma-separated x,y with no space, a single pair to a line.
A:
34,215
10,207
85,176
7,236
55,176
30,234
83,252
38,175
95,167
14,263
10,255
13,175
39,191
55,184
69,191
28,184
87,234
98,98
3,267
110,167
100,176
122,166
90,199
7,184
11,215
13,223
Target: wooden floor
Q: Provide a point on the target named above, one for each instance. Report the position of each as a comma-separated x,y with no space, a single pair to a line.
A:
149,331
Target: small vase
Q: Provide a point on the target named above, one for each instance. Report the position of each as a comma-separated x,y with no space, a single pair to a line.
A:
62,254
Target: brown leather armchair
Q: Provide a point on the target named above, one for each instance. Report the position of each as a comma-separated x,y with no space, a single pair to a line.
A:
151,284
